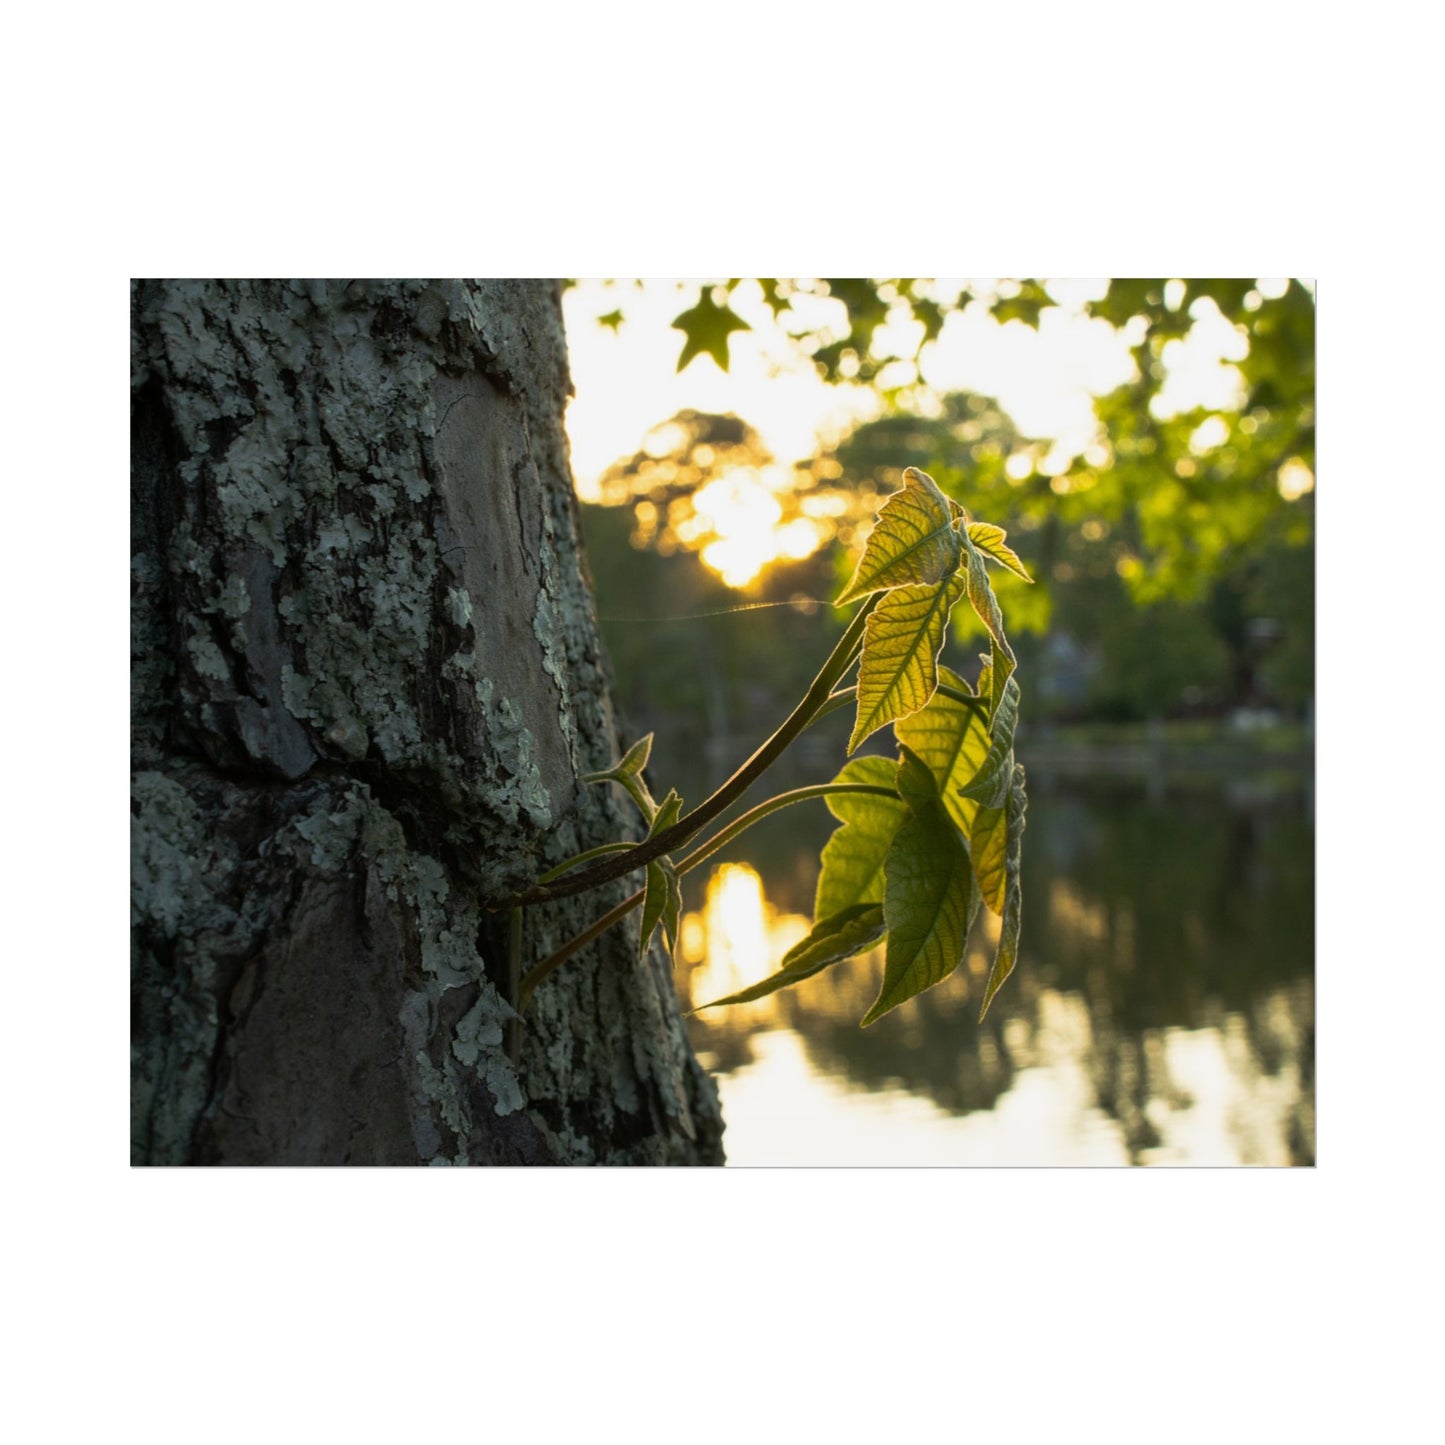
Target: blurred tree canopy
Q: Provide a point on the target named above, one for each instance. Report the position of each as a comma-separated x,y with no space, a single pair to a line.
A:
1175,553
1195,486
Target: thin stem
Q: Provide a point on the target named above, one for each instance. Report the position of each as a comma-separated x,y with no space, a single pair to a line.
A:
744,821
967,698
718,841
577,860
818,696
834,701
581,940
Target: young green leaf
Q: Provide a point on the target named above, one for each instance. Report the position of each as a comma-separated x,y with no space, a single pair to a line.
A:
929,897
988,850
912,542
1008,939
980,594
1001,666
985,682
661,903
898,670
989,540
627,771
851,931
952,739
852,861
990,785
662,895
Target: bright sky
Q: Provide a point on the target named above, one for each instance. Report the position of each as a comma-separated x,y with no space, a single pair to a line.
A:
627,382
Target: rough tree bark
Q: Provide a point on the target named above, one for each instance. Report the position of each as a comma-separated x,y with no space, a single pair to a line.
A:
365,680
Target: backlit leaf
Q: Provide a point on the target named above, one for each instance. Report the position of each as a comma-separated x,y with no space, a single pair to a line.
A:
980,594
849,932
1013,902
929,897
852,863
707,327
991,784
988,848
898,670
1001,667
912,541
952,740
989,540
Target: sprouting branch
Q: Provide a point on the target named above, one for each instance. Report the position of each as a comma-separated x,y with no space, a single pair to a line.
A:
820,696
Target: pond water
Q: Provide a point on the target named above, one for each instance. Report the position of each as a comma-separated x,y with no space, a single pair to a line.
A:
1162,1010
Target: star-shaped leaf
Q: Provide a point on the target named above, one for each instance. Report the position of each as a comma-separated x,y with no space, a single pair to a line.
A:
707,327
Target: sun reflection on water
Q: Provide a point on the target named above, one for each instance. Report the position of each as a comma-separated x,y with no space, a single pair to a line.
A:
737,939
1055,1079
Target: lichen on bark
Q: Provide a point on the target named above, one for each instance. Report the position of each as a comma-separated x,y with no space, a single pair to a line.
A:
365,681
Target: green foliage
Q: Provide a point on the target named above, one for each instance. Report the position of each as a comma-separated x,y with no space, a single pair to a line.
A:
1169,502
926,838
914,540
990,540
898,671
851,868
929,897
951,736
988,847
1026,304
1013,899
1151,660
662,896
948,837
991,783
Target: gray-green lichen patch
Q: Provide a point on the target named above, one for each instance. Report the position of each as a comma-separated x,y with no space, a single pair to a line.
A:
207,658
178,876
478,1045
356,559
338,431
172,862
216,916
446,927
459,607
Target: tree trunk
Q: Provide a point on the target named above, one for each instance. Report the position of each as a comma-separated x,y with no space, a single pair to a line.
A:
366,678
